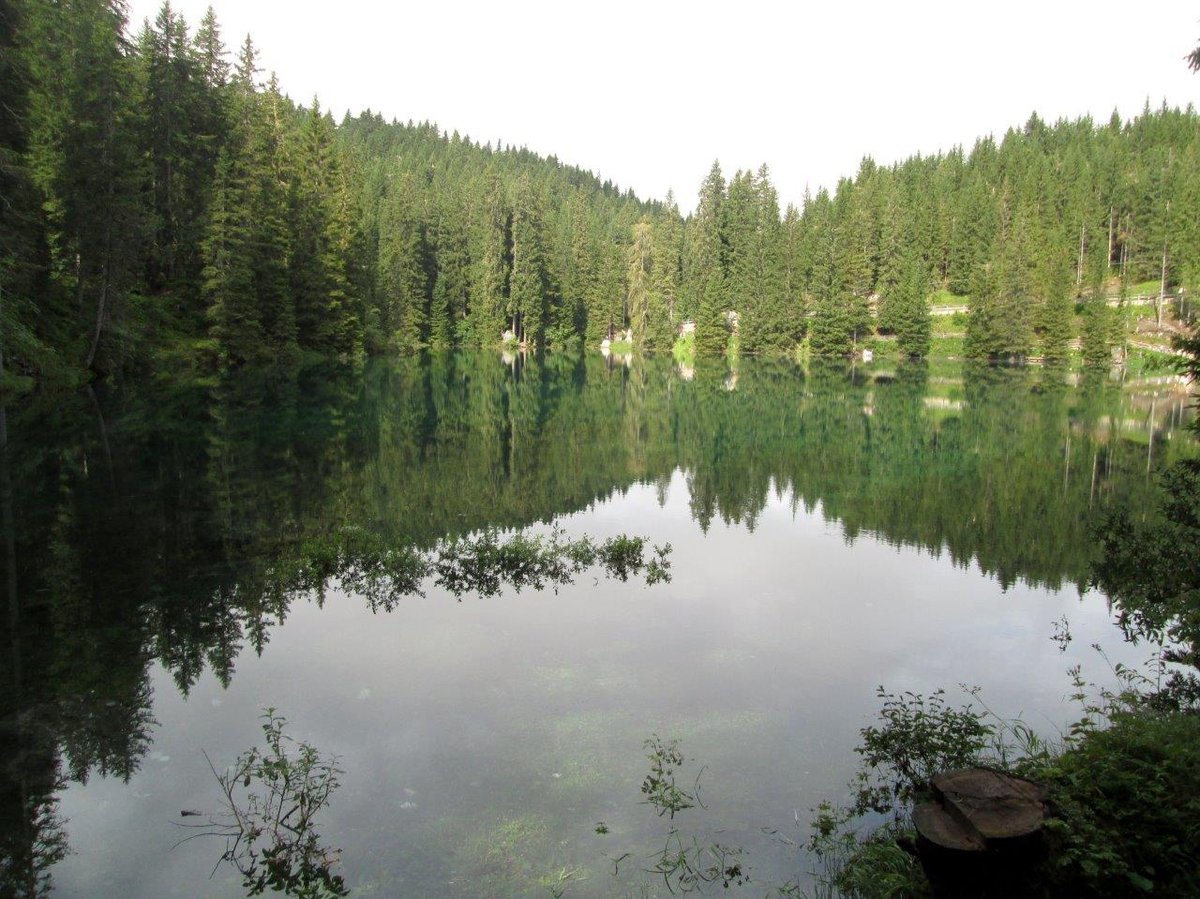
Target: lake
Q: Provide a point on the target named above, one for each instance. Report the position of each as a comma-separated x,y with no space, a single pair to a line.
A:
831,530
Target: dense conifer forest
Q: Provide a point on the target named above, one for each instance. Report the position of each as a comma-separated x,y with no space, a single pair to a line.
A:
165,202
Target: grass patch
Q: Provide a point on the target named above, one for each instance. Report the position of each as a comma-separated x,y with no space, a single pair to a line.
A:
1144,288
684,350
1143,363
884,350
944,297
947,347
949,325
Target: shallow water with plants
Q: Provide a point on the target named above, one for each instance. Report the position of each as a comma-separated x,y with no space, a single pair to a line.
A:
181,556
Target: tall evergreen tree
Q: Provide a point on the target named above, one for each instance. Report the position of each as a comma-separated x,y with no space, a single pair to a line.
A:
28,326
327,319
1057,312
403,290
705,275
175,105
909,310
666,237
640,282
489,295
528,299
82,113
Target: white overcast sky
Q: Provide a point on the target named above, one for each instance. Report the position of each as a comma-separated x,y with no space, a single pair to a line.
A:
648,93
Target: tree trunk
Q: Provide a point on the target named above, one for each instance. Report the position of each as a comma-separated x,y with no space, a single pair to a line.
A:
1079,267
1162,287
1108,261
91,356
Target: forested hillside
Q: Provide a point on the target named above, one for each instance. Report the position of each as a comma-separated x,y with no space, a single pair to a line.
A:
161,195
165,200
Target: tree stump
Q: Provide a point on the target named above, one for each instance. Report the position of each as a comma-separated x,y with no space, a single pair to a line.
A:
981,834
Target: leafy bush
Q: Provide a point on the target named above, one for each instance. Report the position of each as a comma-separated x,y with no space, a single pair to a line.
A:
684,349
919,737
1126,802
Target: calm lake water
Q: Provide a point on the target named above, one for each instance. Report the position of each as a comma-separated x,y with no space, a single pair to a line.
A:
832,531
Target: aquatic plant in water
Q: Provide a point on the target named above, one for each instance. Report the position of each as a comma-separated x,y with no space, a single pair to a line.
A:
271,798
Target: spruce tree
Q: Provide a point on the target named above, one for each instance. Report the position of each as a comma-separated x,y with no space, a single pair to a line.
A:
775,323
403,301
705,276
228,277
909,311
639,281
529,284
1057,314
176,109
489,294
666,235
84,159
327,317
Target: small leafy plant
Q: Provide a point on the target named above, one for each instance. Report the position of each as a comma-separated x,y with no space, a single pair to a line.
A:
918,737
272,796
659,786
686,863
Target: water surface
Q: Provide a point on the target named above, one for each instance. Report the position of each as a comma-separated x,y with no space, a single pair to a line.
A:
832,530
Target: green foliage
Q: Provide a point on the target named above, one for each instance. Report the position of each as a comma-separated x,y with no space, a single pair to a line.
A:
706,277
1127,808
687,862
684,349
659,786
1097,336
918,737
144,168
272,797
872,867
483,565
909,312
1150,569
838,326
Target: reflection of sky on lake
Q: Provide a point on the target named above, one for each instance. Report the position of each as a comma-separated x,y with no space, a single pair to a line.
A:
482,741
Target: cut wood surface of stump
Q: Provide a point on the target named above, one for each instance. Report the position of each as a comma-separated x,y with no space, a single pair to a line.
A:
981,833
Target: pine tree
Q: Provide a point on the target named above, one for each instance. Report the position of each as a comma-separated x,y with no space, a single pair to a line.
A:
327,319
489,294
272,244
666,236
28,306
529,283
773,329
84,161
606,303
228,277
639,281
180,162
909,311
739,235
705,276
453,264
403,301
1057,312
